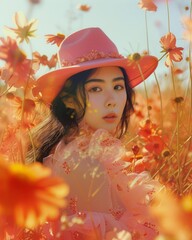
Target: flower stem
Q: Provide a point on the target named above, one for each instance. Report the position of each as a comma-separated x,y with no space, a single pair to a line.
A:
168,16
190,69
25,89
6,91
145,87
146,29
32,144
162,56
177,133
158,86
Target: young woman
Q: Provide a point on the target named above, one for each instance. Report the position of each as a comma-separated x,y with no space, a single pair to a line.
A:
90,99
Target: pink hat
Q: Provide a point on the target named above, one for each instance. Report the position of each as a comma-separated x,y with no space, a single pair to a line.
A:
86,49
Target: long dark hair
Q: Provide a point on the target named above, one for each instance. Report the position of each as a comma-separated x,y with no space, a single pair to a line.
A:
66,112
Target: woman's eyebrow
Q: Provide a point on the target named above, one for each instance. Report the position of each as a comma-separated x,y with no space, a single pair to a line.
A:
118,79
102,81
94,80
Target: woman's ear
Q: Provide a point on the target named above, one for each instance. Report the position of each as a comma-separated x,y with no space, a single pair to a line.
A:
67,100
69,103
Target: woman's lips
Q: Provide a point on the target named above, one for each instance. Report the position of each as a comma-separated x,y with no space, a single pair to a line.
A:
110,118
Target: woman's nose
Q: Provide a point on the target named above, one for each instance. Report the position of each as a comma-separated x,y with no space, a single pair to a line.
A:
110,102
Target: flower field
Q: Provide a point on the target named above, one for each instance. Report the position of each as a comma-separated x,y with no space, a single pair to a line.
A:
159,139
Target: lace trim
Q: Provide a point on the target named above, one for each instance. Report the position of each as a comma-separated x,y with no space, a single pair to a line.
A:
93,55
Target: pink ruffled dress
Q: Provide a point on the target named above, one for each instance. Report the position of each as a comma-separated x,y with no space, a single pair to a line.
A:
107,197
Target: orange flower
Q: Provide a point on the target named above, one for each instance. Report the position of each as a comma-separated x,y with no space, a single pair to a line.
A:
173,215
146,128
18,68
155,144
41,59
23,109
145,164
52,61
148,5
27,105
55,39
168,43
21,74
178,71
10,52
24,29
139,163
30,195
84,7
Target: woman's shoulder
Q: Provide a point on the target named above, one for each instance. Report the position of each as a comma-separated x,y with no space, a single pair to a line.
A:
87,143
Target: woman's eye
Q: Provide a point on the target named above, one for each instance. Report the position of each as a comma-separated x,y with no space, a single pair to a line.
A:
119,87
95,89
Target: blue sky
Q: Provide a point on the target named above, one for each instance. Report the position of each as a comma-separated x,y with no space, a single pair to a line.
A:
122,20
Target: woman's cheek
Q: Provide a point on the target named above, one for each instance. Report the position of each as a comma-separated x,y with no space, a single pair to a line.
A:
91,108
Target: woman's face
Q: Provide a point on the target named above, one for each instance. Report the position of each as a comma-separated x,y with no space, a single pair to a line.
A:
106,98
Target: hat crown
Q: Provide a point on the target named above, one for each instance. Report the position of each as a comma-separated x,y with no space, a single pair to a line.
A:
84,45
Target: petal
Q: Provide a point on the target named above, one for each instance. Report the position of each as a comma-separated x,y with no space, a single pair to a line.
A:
168,41
168,61
176,55
20,19
147,5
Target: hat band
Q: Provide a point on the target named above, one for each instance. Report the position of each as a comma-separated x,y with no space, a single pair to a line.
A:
93,55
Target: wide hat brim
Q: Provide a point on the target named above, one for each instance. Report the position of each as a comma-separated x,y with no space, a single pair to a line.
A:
50,84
